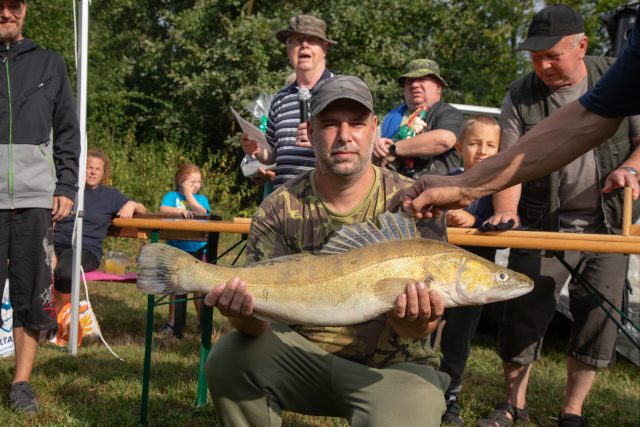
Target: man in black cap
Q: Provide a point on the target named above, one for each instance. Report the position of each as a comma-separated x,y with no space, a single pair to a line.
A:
289,148
418,137
568,133
39,149
377,373
568,200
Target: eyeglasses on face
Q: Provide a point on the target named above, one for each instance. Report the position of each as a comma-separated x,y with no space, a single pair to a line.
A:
14,6
295,41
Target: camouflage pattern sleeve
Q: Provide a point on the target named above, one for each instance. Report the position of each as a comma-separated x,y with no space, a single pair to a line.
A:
265,239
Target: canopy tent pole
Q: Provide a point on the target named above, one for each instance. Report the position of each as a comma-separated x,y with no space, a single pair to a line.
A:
79,206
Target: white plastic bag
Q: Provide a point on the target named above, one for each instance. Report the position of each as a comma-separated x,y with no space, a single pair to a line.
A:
6,330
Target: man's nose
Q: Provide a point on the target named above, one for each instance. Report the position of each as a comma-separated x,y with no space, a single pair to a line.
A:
344,132
545,63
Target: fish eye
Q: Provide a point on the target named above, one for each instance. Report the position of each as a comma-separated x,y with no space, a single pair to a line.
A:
502,276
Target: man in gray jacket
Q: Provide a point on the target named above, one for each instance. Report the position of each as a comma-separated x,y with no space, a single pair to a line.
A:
39,150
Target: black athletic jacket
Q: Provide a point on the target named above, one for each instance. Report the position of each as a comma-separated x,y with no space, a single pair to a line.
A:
39,134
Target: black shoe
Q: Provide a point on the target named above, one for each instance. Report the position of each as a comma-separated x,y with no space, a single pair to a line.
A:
452,414
571,420
22,398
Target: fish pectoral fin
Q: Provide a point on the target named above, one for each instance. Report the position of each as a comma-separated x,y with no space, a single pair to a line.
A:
390,289
394,281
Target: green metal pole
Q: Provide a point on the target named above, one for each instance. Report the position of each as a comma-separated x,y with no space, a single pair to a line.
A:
144,403
206,322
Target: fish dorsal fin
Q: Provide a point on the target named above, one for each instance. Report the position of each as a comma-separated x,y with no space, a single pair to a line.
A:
393,226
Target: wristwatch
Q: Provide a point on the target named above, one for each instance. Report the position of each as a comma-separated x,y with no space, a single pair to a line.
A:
633,171
392,150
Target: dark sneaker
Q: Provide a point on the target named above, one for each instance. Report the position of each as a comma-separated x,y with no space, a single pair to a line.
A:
571,420
451,416
22,398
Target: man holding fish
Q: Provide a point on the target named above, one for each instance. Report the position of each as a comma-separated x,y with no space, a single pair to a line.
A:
361,288
262,368
339,357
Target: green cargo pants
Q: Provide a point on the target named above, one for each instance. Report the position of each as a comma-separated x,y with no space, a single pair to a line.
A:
253,379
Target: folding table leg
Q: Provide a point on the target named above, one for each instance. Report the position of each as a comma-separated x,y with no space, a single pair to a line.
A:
144,401
206,323
144,405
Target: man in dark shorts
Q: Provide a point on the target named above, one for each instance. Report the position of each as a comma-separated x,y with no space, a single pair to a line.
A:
570,201
37,186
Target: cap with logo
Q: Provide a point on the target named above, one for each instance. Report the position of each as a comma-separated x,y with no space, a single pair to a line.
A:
421,68
305,25
340,87
550,25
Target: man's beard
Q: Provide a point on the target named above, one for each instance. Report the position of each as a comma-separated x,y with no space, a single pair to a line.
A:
9,36
327,163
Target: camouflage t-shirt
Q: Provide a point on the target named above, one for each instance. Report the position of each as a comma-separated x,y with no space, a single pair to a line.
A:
294,219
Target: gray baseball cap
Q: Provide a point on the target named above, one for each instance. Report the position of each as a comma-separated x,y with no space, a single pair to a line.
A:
340,87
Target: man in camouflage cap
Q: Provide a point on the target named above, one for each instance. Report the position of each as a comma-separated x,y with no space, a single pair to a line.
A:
423,144
354,371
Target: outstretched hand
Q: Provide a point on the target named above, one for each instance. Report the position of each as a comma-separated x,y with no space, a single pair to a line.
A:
430,195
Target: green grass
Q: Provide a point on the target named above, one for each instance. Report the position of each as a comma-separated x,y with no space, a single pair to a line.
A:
95,388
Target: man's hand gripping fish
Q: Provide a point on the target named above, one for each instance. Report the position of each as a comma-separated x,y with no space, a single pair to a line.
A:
358,275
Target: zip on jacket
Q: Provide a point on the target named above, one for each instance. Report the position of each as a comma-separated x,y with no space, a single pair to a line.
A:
39,133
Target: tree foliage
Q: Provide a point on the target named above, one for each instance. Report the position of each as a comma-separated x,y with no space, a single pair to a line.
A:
163,73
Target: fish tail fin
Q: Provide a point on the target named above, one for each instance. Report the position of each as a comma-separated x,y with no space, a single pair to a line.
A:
158,269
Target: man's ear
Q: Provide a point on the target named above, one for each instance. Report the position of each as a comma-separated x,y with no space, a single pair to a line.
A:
310,131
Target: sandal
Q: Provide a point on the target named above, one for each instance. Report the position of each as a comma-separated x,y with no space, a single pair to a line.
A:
571,420
499,417
166,329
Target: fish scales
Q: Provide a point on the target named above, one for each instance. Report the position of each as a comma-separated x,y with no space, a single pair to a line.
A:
345,286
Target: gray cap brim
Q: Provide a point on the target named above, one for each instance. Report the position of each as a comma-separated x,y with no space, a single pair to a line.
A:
321,104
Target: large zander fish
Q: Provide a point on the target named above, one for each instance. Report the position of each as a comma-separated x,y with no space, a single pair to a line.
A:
357,276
